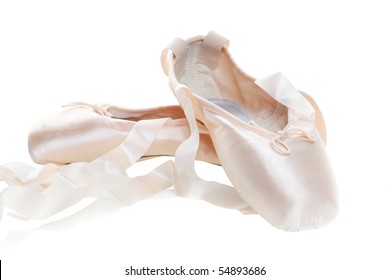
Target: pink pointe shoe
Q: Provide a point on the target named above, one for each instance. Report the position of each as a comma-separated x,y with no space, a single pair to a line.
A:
263,132
82,132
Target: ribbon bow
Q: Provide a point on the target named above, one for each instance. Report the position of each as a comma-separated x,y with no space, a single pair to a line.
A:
278,140
96,108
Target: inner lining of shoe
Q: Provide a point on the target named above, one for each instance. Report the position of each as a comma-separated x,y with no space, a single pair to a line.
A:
232,108
173,112
231,89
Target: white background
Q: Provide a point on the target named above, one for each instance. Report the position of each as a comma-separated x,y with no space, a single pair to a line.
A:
56,52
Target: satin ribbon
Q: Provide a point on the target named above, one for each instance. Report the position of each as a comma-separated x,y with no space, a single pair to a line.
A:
187,183
44,192
56,188
281,89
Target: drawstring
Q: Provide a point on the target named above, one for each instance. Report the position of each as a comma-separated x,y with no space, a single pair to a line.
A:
278,140
96,108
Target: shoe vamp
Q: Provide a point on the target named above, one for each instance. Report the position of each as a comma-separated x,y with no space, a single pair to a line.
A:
289,190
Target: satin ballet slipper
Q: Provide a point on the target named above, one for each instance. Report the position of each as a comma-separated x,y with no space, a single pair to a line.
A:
82,132
263,131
